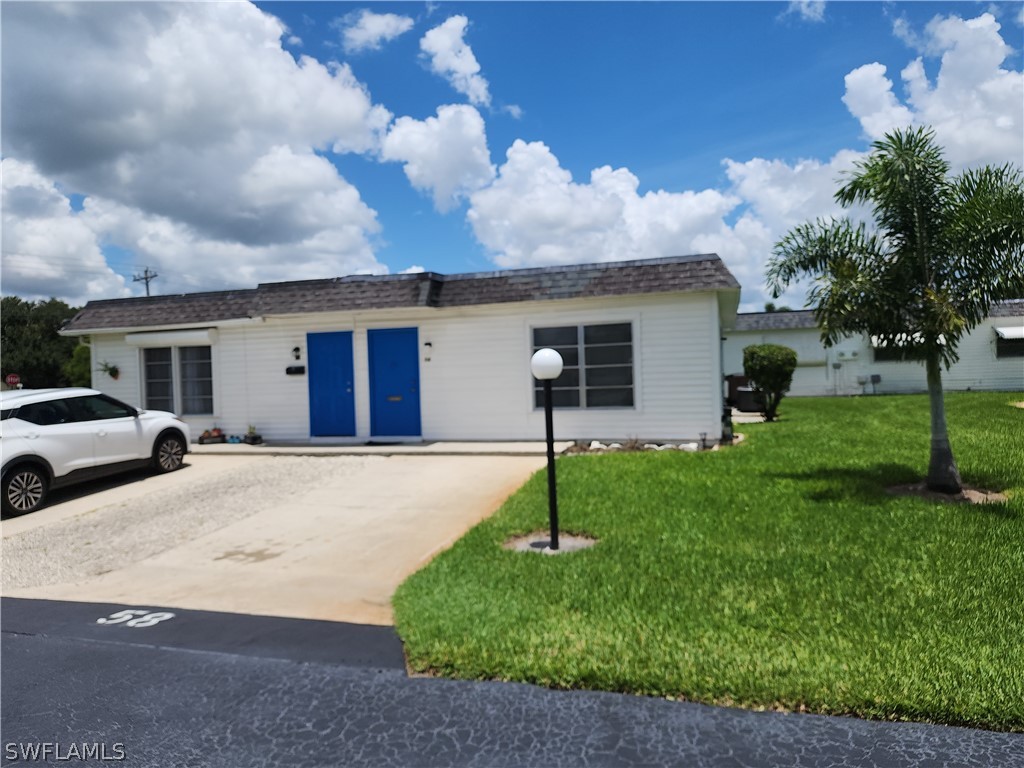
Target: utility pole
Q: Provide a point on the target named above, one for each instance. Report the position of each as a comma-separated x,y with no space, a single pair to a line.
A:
145,277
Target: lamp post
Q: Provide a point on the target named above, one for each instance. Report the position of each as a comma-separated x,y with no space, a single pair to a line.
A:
546,365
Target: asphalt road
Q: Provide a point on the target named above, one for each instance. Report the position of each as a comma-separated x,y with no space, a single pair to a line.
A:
200,688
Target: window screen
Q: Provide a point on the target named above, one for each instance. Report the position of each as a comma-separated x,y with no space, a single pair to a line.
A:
598,365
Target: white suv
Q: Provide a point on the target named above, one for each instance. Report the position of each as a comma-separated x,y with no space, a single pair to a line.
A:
56,437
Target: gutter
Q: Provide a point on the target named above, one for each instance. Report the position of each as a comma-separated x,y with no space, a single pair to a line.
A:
233,323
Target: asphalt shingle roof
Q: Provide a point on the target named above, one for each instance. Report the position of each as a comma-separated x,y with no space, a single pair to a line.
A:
427,289
776,321
804,318
1014,308
183,309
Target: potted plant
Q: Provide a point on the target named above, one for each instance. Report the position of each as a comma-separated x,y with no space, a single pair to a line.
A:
251,437
111,370
215,435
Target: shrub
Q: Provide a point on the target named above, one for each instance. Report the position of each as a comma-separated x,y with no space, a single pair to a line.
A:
770,370
78,370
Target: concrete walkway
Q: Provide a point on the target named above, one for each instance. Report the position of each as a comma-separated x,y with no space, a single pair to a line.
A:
369,449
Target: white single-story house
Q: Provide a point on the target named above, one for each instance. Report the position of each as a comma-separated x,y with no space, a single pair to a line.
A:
991,356
430,356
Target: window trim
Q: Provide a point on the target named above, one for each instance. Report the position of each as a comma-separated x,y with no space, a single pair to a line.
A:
177,395
1009,342
581,345
1009,348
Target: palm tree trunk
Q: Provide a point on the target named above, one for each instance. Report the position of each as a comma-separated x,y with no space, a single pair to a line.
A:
943,475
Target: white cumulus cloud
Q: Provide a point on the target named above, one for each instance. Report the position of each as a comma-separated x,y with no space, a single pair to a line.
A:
452,58
535,214
445,155
974,103
777,197
808,10
783,195
368,31
188,261
48,250
869,97
191,121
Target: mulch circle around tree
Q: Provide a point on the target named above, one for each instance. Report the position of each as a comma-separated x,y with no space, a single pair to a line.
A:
967,496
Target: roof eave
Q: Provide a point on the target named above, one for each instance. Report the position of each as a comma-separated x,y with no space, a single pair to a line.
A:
229,323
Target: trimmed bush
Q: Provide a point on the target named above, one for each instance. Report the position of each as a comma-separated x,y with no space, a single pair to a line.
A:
770,370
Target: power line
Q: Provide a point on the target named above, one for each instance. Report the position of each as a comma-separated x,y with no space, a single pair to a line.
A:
145,277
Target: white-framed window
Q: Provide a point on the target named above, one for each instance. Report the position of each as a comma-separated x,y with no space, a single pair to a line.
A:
1009,341
598,365
894,350
178,379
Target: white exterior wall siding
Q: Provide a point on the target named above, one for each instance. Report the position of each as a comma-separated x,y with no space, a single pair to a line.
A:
129,386
978,367
475,381
112,350
816,374
978,359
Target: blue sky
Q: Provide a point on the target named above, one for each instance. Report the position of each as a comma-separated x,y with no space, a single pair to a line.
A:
227,144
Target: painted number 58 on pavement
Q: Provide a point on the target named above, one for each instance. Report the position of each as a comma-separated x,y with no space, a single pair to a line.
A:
136,619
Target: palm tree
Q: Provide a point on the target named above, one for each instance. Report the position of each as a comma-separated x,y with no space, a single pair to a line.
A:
941,252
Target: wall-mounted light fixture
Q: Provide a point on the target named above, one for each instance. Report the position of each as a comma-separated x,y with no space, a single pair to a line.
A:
297,353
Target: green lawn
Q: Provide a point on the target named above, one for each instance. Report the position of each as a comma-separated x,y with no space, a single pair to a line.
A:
775,574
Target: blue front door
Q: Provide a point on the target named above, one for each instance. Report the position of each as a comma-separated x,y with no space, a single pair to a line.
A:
394,381
332,405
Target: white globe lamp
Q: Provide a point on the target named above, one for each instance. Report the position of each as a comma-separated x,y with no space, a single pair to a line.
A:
546,365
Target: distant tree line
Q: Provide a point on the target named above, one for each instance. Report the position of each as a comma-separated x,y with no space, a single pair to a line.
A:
32,347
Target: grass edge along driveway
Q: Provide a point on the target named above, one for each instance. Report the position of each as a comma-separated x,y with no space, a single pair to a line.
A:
777,574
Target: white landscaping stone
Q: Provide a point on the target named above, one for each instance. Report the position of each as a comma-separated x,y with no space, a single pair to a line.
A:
688,446
597,445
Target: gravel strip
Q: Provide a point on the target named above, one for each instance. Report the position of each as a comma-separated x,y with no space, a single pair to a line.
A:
119,535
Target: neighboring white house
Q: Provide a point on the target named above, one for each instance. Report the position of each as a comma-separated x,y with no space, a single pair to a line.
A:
991,356
430,356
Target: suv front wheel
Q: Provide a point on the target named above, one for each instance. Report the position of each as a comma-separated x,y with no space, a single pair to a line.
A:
168,452
24,489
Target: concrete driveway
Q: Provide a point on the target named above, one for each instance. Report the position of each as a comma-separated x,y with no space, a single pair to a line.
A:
327,537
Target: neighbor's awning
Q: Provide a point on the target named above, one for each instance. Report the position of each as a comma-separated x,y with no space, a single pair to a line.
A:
202,337
1010,332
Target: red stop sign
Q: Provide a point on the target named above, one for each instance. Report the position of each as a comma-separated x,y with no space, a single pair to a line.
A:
12,379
